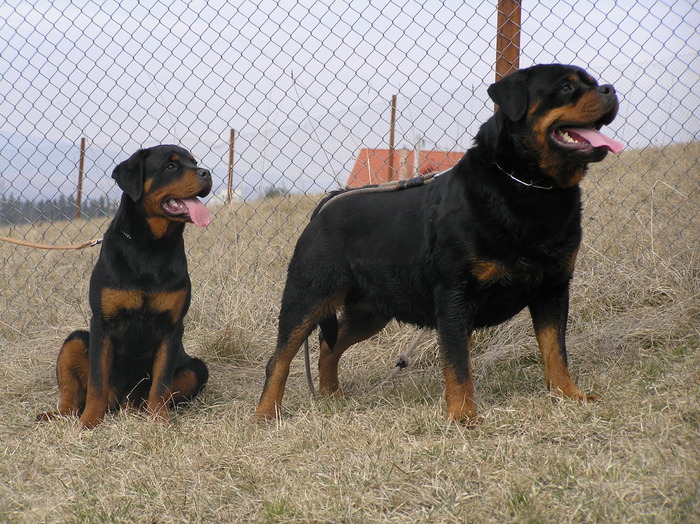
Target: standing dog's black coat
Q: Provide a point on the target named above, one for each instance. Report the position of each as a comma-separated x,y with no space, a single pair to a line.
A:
139,295
470,249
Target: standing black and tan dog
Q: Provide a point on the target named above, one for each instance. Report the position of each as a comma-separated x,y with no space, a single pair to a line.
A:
497,233
139,295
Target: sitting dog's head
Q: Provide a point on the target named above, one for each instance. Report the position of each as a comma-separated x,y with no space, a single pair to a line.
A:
165,183
554,113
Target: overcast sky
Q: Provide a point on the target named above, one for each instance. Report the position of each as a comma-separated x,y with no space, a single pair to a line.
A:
127,74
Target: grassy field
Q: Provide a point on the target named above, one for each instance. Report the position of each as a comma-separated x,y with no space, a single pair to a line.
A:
387,455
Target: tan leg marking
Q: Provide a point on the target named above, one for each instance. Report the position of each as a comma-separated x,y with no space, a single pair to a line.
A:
556,372
99,400
328,370
276,380
160,394
459,397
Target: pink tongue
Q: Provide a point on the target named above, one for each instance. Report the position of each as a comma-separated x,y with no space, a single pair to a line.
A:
596,138
197,211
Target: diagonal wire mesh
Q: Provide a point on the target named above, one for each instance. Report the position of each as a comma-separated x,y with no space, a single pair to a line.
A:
307,87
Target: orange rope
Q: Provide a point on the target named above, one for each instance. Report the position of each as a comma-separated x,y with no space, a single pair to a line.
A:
35,245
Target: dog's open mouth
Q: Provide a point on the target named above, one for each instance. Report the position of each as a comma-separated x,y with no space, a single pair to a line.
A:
190,209
584,139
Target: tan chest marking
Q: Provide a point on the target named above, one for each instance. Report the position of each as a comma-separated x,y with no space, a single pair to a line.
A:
115,300
486,271
172,302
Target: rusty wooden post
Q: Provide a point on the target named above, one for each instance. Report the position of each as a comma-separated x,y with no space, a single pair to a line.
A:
78,200
507,38
391,139
229,193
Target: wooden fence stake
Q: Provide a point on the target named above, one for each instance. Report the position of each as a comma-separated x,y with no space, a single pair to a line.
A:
392,125
229,193
507,38
78,200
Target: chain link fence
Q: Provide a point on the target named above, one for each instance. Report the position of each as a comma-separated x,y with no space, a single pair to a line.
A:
299,96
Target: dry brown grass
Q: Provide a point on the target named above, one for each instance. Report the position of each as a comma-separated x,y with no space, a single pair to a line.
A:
388,456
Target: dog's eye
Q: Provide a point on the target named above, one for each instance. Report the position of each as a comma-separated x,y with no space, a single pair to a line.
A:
171,166
566,88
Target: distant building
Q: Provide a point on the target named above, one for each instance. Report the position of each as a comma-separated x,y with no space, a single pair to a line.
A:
372,165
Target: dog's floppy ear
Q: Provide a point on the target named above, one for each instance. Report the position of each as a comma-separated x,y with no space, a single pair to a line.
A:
510,94
129,174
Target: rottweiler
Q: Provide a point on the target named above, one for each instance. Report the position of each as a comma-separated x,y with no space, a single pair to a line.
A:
139,295
498,232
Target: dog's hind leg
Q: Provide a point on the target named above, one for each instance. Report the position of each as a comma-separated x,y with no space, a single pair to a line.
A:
72,376
298,318
358,323
189,380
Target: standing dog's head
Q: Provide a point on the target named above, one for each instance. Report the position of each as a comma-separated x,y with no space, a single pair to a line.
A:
554,113
165,183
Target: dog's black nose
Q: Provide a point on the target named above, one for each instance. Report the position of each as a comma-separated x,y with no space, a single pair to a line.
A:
606,90
205,177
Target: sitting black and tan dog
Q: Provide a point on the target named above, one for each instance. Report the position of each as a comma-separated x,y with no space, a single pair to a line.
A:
495,234
139,295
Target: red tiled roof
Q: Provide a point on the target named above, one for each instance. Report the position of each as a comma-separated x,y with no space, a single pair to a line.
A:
372,165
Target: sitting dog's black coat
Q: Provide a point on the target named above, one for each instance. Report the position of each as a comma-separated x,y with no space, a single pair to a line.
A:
468,250
139,295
